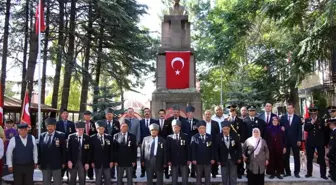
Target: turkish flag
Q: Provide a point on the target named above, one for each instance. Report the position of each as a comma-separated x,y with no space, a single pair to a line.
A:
1,105
306,115
25,116
177,69
40,8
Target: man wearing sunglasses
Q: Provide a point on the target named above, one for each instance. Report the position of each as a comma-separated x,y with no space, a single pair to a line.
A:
316,129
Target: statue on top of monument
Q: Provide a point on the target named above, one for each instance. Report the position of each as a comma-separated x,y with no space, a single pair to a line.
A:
177,9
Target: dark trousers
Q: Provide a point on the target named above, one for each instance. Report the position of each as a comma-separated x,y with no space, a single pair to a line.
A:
65,169
193,169
200,169
120,175
23,174
166,171
255,179
332,171
151,170
90,172
296,155
184,173
320,160
113,172
214,169
240,168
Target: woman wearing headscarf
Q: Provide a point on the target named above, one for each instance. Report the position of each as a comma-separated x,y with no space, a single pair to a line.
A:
256,155
275,138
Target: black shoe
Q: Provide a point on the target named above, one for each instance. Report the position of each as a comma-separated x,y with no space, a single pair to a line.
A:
167,176
113,177
287,175
213,176
154,176
297,175
272,177
324,177
279,177
308,175
142,175
193,175
91,178
239,176
134,176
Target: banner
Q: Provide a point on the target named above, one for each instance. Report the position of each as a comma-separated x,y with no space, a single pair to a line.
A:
25,116
39,9
177,69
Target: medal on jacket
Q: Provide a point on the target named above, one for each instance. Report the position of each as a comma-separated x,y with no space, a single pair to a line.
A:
92,128
57,142
233,142
107,141
182,142
86,146
209,143
70,129
129,143
161,145
194,127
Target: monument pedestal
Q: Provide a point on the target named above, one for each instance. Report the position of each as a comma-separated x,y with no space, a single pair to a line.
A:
175,37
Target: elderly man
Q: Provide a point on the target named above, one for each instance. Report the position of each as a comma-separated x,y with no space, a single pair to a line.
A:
267,116
219,117
52,153
153,155
22,156
177,116
90,129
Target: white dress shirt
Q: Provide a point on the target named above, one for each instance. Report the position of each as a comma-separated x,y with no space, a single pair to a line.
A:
291,118
156,140
219,120
11,146
208,127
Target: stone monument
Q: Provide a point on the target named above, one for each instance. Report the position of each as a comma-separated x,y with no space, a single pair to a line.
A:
176,38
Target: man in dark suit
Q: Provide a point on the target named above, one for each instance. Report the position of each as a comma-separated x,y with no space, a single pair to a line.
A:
237,127
229,152
102,154
212,128
178,153
78,154
144,131
332,150
267,116
153,155
67,127
190,128
52,153
252,122
165,130
202,153
316,128
125,149
177,116
293,130
112,127
90,129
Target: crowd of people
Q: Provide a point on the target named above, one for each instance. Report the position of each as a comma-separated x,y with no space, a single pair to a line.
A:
176,146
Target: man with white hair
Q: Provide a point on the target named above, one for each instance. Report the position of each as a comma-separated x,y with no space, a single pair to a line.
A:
219,117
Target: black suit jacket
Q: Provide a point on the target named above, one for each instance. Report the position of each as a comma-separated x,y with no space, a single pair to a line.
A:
166,129
115,127
202,152
293,131
161,153
92,130
73,149
125,153
178,151
188,129
332,147
315,132
262,116
70,127
235,149
238,128
52,156
215,130
144,130
256,123
101,155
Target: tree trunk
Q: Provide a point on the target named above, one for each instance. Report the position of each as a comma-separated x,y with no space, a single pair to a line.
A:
98,67
70,57
86,78
25,49
45,52
5,49
60,45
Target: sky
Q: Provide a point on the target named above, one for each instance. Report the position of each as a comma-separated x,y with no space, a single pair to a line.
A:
150,21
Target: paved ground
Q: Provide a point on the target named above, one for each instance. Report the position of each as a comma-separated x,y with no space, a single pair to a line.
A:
288,180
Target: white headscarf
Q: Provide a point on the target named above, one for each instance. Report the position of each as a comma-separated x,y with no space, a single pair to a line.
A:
254,141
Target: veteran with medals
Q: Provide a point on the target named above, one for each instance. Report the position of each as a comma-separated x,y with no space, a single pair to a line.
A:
332,150
90,129
79,153
202,153
52,153
153,155
102,154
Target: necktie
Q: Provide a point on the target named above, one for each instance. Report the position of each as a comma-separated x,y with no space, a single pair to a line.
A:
267,119
252,119
191,124
203,138
152,148
65,126
101,140
79,141
289,120
49,139
147,123
124,138
177,138
227,138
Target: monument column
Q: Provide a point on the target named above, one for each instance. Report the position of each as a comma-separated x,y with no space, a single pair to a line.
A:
175,37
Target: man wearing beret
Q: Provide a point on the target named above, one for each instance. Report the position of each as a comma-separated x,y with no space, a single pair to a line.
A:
332,150
21,156
202,153
229,152
79,154
52,153
316,128
237,127
153,155
190,129
125,150
102,154
179,153
90,129
177,116
112,127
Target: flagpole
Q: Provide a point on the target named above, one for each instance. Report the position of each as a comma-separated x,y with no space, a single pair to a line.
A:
39,120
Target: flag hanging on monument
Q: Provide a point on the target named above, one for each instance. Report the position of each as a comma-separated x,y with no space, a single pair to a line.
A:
39,12
1,105
177,69
25,116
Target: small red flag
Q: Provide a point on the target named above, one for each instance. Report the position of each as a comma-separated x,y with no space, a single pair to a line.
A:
39,9
25,116
177,69
1,105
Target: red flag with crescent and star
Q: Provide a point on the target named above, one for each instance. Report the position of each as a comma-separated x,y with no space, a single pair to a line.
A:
25,116
177,69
